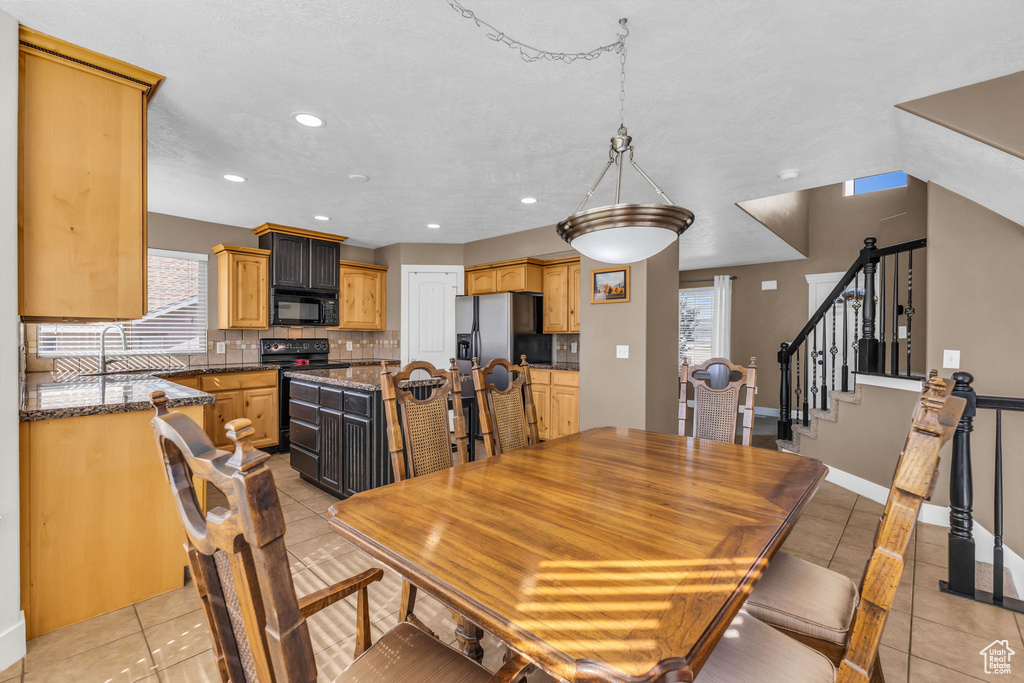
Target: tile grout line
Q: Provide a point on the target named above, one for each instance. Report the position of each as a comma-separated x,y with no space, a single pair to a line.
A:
145,639
913,590
846,524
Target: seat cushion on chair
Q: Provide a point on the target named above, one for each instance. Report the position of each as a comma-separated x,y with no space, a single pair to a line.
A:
753,652
405,654
802,597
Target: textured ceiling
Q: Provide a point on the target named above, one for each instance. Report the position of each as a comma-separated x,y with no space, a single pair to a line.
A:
453,128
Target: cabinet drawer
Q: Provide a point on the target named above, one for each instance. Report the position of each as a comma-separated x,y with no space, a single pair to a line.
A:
358,403
304,392
330,398
301,410
238,380
305,435
565,378
190,382
305,462
540,376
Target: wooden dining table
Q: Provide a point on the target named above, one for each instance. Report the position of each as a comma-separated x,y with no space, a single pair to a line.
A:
613,554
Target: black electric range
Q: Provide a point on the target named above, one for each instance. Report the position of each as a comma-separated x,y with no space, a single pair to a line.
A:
294,354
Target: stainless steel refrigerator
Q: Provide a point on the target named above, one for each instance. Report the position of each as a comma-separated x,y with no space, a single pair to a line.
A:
499,326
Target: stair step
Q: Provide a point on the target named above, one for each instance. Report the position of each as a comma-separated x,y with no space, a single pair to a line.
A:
846,396
829,415
793,446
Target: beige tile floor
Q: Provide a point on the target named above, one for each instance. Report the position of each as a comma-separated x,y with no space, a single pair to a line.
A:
929,636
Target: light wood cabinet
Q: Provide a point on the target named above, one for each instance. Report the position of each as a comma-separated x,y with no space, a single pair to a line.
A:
562,296
82,187
243,287
260,406
363,304
556,395
517,275
251,394
227,408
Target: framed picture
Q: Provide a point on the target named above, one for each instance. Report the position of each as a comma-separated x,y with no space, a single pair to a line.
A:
609,285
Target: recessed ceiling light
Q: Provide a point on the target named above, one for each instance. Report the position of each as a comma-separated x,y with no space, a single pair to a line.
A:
322,218
789,175
528,200
308,119
433,225
356,178
234,178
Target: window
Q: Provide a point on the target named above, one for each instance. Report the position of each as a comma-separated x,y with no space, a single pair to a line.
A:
696,307
874,183
176,322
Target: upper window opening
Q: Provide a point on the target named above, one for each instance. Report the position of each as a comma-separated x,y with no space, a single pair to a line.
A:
874,183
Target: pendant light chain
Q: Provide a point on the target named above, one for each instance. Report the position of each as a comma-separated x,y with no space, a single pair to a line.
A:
622,81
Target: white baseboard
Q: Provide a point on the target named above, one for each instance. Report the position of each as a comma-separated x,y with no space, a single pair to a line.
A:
932,514
12,643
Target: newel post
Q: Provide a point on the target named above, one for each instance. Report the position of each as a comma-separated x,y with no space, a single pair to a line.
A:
961,493
868,356
785,430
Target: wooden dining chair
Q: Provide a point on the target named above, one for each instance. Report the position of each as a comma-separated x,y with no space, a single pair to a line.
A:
716,398
242,574
792,602
420,441
508,417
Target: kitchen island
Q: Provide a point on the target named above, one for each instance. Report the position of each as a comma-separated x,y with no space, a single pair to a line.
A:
338,440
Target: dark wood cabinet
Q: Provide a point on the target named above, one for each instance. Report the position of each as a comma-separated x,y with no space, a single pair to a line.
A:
289,260
323,265
340,443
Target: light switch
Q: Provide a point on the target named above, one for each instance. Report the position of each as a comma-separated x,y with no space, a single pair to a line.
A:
769,284
622,351
951,359
220,347
573,346
348,346
903,331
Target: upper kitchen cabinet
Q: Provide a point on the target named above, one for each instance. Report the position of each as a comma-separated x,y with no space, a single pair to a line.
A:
562,296
82,186
363,296
517,275
301,259
243,290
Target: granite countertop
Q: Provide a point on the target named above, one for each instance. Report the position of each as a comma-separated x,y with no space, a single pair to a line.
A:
49,396
364,378
573,367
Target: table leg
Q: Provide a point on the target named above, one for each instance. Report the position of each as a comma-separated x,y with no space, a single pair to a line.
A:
468,635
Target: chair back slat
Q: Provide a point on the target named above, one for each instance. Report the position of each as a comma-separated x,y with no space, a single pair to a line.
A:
934,422
508,417
237,553
419,438
717,384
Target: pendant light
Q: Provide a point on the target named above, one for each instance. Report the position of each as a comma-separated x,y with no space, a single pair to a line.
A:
624,233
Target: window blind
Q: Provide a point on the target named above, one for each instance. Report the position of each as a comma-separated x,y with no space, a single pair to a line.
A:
175,324
695,309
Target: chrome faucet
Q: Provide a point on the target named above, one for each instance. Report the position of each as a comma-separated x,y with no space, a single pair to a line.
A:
102,369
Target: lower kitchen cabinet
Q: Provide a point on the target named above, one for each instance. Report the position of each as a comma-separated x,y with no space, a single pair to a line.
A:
227,408
338,440
556,395
251,394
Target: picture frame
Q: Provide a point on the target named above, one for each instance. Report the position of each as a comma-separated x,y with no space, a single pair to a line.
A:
609,285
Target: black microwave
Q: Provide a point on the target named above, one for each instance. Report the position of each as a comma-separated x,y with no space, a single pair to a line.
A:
303,308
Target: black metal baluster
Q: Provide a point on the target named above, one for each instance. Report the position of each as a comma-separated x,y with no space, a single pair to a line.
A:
805,408
798,386
846,343
823,356
910,302
997,533
881,315
834,349
858,301
814,366
894,365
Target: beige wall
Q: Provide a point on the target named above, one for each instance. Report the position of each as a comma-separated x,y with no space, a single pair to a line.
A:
975,284
536,243
639,391
787,215
762,320
404,253
186,234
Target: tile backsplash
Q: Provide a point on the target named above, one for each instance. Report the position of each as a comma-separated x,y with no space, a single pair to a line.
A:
563,348
241,346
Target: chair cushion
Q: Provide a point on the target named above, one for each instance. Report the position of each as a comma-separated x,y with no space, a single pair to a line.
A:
802,597
753,652
405,654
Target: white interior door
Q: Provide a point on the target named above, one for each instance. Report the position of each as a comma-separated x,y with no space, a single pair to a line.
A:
428,313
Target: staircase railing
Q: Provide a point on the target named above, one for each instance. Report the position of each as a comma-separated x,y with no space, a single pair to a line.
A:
961,500
811,350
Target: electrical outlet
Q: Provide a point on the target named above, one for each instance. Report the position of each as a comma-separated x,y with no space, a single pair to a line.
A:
348,346
903,332
573,346
220,347
951,359
622,351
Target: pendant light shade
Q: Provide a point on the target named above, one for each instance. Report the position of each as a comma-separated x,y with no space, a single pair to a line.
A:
624,233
